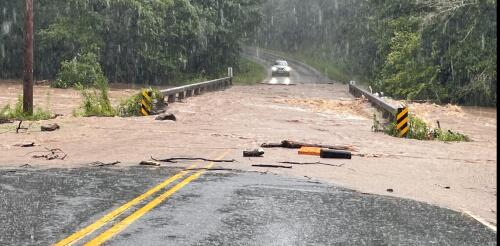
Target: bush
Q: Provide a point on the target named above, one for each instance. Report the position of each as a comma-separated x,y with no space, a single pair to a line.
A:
83,70
95,101
131,106
418,129
17,113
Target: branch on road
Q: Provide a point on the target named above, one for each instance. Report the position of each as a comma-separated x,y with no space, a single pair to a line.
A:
51,155
177,159
101,164
311,163
297,145
269,165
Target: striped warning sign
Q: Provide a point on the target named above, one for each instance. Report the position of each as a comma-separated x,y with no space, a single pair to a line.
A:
402,122
146,102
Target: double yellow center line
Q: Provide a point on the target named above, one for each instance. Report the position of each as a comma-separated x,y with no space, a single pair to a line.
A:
120,226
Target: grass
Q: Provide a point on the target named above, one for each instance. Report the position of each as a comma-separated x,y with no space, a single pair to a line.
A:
249,73
419,130
95,101
17,112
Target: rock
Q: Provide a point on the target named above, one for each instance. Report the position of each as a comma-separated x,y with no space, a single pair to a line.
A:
50,127
166,117
253,153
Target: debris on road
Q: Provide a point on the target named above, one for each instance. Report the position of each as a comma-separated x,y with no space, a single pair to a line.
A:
166,116
390,190
273,166
310,151
5,121
176,159
337,154
52,154
50,127
253,153
20,127
150,163
25,165
101,164
24,145
297,145
311,163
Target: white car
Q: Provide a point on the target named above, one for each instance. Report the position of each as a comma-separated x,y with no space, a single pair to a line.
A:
281,68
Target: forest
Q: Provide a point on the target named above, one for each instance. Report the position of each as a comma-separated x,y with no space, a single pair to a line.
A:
439,50
135,41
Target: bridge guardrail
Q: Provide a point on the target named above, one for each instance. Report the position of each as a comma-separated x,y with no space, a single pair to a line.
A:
388,111
179,93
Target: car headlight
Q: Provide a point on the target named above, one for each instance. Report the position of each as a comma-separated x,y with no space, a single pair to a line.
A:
288,69
274,68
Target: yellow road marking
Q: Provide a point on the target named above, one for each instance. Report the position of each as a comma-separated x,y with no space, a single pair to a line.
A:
405,111
402,123
110,216
120,226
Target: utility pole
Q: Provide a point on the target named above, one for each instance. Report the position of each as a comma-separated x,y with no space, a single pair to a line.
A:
28,59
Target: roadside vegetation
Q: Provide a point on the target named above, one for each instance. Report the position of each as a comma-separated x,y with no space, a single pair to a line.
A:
16,113
131,106
249,72
444,51
420,130
158,42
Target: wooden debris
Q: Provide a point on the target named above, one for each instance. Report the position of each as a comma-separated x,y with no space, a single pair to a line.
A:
297,145
149,163
19,127
27,144
52,154
311,163
101,164
177,159
273,166
49,127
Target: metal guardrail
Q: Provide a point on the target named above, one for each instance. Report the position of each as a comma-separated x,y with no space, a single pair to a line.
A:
388,111
179,93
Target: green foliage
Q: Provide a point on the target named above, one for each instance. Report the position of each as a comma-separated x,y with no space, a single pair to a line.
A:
249,72
95,101
440,50
418,129
17,113
131,106
83,70
145,42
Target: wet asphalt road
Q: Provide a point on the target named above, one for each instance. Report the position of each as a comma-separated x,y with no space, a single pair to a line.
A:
43,206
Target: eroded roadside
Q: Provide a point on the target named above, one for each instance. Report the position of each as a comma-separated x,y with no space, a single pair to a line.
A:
244,117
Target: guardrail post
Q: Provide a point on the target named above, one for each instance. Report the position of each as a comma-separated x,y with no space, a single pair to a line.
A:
189,93
182,95
230,72
171,98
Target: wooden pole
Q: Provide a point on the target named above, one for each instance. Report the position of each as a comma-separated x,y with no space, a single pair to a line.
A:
28,59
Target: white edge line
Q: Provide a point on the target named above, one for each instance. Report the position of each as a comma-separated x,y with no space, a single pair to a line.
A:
481,220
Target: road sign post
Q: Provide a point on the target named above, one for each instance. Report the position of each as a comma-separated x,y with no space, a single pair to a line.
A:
146,103
402,122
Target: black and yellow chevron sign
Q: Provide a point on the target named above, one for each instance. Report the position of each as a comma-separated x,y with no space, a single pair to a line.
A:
402,122
146,103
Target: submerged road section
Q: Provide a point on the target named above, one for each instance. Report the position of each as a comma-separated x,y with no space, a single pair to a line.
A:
204,207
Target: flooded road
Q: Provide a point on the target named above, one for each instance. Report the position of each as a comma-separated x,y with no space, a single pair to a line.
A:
44,206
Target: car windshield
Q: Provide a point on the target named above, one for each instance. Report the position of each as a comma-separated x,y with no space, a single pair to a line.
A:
281,63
